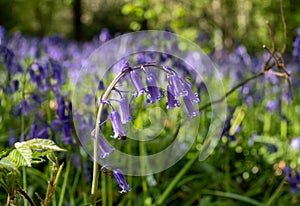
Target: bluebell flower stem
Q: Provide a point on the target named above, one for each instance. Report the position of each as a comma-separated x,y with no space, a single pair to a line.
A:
98,122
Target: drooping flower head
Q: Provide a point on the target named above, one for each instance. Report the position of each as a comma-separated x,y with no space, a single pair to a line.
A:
118,174
117,124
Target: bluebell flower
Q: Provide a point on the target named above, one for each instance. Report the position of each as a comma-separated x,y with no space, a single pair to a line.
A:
25,107
293,178
36,98
104,148
61,107
179,89
43,133
190,94
104,35
272,105
15,85
117,124
118,174
11,139
172,101
33,131
137,82
295,143
192,112
154,93
67,132
124,110
100,85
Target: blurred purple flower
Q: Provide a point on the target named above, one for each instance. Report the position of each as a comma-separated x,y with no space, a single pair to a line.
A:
33,131
295,143
293,178
15,85
272,105
25,107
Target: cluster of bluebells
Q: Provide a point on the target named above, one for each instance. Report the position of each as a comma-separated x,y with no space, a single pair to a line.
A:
178,92
36,71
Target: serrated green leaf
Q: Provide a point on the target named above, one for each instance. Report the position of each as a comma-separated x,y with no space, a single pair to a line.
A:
39,144
5,163
21,157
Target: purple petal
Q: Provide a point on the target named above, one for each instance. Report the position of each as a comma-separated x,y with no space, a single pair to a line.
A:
190,107
125,112
137,82
153,90
117,124
178,86
172,101
118,174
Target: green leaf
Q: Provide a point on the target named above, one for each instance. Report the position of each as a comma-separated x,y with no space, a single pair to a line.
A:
39,144
5,163
3,153
21,157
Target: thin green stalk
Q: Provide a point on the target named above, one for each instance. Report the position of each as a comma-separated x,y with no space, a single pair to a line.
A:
276,193
64,186
143,165
177,178
233,196
103,189
110,193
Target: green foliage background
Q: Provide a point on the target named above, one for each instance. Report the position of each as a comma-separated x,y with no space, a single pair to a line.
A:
226,22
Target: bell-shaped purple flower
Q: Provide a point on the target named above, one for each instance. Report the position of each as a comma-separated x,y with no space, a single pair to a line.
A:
25,107
192,112
125,112
15,85
43,133
190,94
33,131
61,108
154,93
104,147
118,174
172,101
178,86
137,82
117,124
